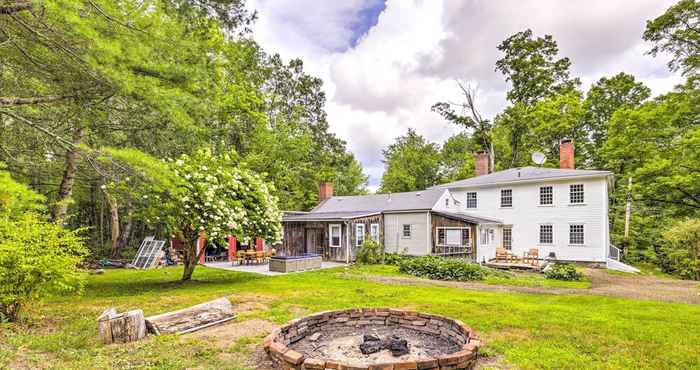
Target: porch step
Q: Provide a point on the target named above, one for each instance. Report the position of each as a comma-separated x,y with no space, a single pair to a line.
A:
619,266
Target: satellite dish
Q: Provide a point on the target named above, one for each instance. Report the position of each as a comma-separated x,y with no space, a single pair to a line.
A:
539,158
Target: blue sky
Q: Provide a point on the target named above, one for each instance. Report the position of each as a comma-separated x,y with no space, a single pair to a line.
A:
365,19
384,63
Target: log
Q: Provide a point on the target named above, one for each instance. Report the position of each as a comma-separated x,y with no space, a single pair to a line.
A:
192,318
121,328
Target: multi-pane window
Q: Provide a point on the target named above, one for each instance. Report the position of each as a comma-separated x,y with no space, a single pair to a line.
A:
453,236
374,231
575,193
335,235
546,195
486,235
507,238
359,234
471,199
546,234
406,231
447,202
506,198
576,234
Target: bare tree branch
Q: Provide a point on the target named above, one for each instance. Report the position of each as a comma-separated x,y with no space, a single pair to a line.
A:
15,100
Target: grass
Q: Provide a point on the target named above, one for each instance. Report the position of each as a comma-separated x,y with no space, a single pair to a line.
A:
528,279
522,330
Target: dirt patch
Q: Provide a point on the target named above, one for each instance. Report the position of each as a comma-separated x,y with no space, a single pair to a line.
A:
602,283
644,287
227,334
250,302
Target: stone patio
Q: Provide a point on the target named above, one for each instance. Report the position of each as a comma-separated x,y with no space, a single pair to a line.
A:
262,268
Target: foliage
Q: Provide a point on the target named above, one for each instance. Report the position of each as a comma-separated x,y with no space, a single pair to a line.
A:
371,253
16,199
439,268
457,157
530,65
37,258
656,144
604,98
677,32
681,250
563,271
394,259
411,163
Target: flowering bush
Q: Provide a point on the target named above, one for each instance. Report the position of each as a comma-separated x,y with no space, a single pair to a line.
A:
207,195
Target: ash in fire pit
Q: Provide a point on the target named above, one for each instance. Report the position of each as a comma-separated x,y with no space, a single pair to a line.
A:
372,344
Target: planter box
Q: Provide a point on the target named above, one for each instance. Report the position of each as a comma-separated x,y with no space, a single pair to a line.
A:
295,263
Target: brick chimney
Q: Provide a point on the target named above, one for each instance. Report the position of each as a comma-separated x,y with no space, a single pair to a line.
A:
566,154
481,164
325,191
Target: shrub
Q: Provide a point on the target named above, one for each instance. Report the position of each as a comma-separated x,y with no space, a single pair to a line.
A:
563,271
371,253
37,258
439,268
393,258
682,249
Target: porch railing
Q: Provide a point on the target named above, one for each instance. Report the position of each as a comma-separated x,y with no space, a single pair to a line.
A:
614,253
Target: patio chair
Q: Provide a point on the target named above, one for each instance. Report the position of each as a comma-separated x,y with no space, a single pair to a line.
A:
260,256
502,254
531,256
240,257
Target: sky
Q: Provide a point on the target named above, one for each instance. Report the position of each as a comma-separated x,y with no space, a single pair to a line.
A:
385,63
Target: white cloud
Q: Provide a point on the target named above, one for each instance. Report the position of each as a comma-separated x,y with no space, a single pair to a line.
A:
409,60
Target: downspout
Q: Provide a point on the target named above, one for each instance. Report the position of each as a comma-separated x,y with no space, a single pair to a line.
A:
347,243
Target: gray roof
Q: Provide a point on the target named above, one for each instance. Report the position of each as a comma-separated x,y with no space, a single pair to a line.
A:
326,216
514,175
415,200
468,218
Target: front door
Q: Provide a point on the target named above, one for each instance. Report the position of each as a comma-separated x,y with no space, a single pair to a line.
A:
314,241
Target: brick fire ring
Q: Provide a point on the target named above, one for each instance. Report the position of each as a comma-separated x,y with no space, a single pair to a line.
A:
276,344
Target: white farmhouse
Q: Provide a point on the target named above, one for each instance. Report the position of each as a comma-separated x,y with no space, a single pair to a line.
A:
560,212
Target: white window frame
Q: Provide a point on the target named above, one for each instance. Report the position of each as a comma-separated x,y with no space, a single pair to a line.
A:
539,234
330,235
503,238
539,196
571,193
359,234
447,202
476,200
511,198
461,236
374,232
403,231
583,234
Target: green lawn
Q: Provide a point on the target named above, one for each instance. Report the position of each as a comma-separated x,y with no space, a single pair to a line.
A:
520,330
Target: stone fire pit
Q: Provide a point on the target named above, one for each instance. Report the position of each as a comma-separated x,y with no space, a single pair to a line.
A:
373,338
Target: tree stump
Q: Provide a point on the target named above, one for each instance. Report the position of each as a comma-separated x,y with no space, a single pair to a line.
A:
121,328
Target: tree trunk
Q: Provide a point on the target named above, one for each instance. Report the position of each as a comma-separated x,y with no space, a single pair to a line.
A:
113,222
125,232
191,258
65,190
